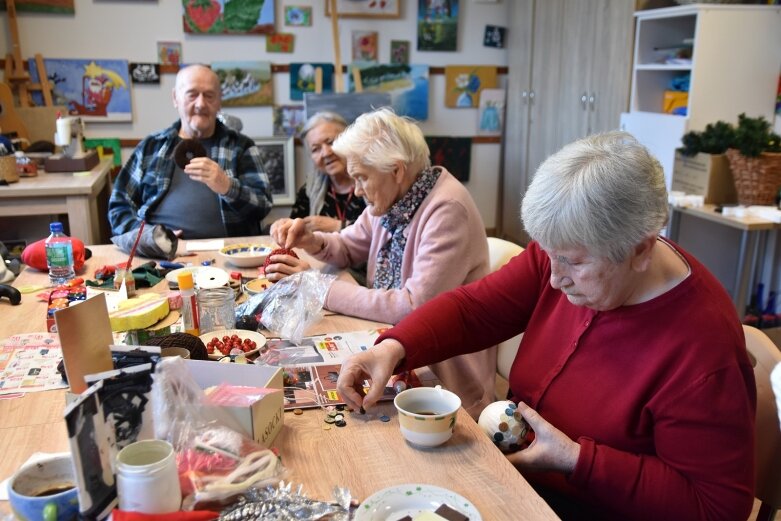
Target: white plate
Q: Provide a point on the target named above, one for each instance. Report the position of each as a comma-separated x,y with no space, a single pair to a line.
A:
172,276
259,339
393,503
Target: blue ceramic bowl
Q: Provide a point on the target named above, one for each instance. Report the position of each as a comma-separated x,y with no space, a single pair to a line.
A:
45,491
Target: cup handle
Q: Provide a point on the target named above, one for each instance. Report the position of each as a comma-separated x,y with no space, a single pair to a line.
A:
50,512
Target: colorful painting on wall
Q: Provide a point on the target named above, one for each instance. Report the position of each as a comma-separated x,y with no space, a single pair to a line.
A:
288,120
169,53
302,79
145,73
228,17
280,42
494,36
365,46
348,105
399,52
278,157
437,25
366,8
463,84
454,153
298,15
490,117
43,6
245,84
408,86
97,90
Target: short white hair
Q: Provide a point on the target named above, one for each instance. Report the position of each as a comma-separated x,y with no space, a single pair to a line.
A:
380,139
605,192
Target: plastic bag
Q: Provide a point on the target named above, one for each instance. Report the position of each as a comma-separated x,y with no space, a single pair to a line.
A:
294,303
215,461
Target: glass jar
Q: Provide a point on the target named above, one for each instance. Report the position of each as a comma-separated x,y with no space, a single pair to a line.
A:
216,309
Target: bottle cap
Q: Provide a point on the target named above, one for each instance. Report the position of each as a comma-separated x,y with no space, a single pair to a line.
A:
55,227
185,280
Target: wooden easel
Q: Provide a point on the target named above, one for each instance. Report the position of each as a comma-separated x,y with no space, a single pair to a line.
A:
16,75
338,75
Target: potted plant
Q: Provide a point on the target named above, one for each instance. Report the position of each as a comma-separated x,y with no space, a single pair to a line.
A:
755,161
701,168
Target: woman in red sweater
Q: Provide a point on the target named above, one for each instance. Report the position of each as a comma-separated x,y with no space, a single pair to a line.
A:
632,369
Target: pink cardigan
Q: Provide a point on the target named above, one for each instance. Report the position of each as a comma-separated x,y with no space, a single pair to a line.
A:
446,247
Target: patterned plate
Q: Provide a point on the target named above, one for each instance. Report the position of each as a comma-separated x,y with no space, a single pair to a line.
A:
393,503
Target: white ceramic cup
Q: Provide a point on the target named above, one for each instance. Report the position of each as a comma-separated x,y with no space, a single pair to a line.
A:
147,479
427,415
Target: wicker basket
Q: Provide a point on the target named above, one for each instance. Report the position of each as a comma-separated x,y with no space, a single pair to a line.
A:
8,172
757,179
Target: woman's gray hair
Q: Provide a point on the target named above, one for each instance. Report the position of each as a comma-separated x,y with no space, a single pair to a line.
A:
605,192
380,139
318,183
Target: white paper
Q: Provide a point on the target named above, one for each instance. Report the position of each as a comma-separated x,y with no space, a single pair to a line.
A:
211,245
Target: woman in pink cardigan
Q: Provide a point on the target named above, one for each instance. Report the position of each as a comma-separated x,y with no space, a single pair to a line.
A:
421,234
632,369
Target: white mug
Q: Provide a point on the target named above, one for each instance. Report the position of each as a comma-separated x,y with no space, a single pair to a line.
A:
147,479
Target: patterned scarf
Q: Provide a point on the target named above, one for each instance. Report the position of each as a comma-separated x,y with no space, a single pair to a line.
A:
388,272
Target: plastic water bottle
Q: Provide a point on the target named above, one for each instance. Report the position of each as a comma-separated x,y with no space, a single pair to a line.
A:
59,255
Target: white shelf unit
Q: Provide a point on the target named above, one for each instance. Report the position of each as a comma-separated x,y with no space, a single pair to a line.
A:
735,65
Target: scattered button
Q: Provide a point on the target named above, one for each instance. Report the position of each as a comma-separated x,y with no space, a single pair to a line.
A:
340,423
339,417
298,412
330,420
384,418
340,407
326,427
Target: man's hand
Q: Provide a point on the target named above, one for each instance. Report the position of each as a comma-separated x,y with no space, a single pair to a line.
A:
376,364
551,450
206,171
283,266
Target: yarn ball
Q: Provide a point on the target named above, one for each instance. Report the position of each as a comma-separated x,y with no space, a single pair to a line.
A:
503,423
279,251
190,342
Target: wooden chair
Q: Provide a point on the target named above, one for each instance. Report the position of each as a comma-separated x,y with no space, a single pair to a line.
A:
500,252
767,453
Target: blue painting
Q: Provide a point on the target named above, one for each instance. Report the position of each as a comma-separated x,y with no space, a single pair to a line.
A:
302,79
406,84
97,90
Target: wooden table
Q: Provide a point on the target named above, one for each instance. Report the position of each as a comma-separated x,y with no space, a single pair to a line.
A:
364,456
751,229
62,192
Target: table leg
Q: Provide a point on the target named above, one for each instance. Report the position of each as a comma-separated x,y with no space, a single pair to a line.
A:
83,218
746,259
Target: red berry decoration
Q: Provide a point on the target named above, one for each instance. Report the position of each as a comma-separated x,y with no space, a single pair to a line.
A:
278,251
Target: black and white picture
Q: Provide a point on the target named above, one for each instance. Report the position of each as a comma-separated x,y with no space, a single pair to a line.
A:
278,156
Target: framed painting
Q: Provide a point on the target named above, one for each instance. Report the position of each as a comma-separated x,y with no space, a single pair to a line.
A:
490,116
245,84
365,8
408,86
278,156
463,84
302,79
97,90
454,153
288,120
44,6
228,17
437,25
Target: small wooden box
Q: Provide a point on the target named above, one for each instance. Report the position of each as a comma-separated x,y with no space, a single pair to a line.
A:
708,175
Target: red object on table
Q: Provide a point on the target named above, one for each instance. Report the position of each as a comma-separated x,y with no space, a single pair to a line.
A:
34,255
194,515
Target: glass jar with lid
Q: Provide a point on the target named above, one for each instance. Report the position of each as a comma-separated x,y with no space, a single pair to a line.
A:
217,309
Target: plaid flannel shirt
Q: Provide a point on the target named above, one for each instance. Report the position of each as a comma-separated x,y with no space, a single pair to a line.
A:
144,180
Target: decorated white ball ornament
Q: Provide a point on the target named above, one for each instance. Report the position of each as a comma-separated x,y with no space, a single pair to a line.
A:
503,423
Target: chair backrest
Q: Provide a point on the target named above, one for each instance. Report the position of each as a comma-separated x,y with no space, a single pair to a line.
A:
767,454
500,252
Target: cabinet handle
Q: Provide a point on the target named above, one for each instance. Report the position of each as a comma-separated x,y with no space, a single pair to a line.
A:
531,97
525,97
591,100
583,100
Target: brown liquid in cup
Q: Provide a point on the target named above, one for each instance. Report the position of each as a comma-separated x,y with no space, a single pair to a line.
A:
55,489
424,413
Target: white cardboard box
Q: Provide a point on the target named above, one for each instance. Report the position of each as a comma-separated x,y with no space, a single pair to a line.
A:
262,420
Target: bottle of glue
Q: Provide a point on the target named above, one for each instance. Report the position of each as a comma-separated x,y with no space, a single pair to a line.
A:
189,304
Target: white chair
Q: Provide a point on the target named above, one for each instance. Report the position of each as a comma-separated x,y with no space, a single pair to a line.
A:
767,438
499,253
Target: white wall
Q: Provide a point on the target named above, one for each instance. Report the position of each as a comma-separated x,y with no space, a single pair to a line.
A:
117,29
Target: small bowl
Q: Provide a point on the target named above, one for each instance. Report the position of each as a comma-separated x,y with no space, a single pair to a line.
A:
255,286
427,415
245,255
259,339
